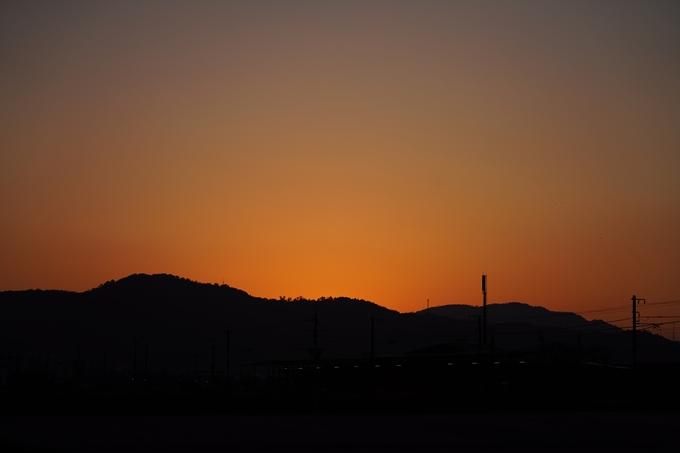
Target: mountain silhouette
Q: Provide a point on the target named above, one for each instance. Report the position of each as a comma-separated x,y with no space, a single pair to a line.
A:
169,323
517,312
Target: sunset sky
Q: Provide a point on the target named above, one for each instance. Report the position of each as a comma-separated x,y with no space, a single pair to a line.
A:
390,151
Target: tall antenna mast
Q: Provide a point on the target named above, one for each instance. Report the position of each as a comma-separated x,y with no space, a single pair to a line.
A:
484,308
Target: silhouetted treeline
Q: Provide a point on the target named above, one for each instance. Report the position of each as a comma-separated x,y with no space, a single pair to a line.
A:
165,333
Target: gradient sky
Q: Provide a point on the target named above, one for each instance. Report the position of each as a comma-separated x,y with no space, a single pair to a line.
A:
390,151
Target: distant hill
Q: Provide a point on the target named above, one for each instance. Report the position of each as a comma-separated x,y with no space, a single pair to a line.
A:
520,313
179,320
176,322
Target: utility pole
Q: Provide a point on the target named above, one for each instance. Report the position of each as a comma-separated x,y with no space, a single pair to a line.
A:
316,356
316,337
635,315
635,301
212,364
372,338
146,365
484,307
228,355
134,372
479,335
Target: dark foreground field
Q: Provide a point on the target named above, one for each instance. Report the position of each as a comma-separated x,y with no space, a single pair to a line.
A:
593,431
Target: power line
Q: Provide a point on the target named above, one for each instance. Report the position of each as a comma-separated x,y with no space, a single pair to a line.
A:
613,309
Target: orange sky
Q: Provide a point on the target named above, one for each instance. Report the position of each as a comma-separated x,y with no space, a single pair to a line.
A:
390,151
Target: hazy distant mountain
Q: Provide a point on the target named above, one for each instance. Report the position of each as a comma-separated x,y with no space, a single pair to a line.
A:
519,313
177,322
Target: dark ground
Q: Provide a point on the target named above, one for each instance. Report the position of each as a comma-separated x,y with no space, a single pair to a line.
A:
564,432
